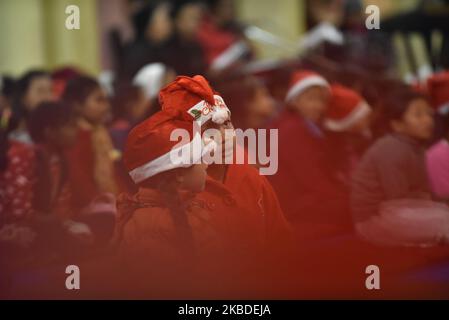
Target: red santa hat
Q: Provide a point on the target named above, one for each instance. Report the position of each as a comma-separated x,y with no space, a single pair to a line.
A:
302,80
438,89
195,100
150,151
345,109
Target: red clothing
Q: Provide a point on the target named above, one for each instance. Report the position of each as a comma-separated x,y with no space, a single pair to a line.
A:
309,193
254,192
16,184
81,167
146,229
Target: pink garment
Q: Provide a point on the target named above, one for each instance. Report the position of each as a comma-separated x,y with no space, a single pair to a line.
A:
438,168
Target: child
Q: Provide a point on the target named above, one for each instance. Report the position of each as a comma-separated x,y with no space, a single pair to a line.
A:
314,201
347,122
32,89
438,154
390,193
91,166
251,190
168,225
183,52
34,184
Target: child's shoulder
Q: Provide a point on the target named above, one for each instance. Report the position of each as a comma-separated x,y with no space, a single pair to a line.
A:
388,146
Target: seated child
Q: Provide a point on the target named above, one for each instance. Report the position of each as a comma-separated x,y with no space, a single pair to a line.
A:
31,89
347,123
34,184
250,189
166,225
390,192
314,201
92,158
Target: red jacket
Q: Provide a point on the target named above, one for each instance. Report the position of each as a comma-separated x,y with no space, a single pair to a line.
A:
305,183
146,230
254,192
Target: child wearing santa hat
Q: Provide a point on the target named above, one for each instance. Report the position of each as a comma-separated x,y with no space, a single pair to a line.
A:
191,99
347,122
313,199
391,198
170,226
438,154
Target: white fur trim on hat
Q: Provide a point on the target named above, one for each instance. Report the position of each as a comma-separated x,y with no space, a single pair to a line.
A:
150,79
308,82
362,110
204,111
167,161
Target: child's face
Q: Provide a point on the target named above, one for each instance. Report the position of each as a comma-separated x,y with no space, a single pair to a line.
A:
312,103
417,121
96,107
194,178
40,90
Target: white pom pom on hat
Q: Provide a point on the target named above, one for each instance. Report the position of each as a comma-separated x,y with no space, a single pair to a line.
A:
220,116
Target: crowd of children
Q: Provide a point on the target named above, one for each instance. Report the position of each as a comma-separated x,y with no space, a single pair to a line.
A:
77,175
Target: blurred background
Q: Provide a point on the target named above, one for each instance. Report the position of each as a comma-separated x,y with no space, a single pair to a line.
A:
33,33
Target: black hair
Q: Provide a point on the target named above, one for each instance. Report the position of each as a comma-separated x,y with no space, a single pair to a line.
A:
48,115
20,90
397,102
126,95
78,90
141,19
212,4
7,86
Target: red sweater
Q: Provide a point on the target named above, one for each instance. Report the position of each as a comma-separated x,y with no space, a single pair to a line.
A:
305,184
